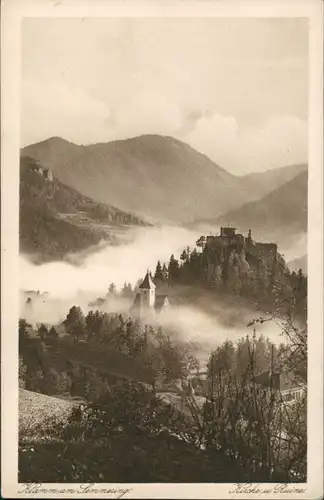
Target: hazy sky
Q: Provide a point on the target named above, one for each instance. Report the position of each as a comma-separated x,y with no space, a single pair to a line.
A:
234,89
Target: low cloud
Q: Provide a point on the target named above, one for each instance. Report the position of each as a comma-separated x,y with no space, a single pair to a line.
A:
63,111
207,331
139,250
281,141
150,112
207,322
75,115
44,308
186,324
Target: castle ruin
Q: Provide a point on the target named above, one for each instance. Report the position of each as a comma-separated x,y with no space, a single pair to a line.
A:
238,242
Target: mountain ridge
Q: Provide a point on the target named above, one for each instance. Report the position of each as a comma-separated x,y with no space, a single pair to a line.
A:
157,177
280,216
279,206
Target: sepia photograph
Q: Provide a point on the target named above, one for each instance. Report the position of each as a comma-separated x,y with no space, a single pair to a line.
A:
163,174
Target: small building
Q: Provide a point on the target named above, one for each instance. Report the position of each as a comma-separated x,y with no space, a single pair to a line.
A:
285,385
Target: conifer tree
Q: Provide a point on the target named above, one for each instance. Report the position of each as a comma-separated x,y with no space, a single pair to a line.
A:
127,291
164,272
42,331
75,322
184,256
158,276
53,333
112,289
173,269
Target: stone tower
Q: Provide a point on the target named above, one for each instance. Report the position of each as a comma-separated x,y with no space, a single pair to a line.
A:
147,296
249,240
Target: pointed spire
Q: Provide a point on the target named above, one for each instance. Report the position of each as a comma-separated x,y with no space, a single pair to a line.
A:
147,283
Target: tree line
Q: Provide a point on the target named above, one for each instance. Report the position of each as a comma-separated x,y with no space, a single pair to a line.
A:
150,347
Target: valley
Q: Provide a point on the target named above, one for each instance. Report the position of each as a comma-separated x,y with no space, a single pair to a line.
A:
82,263
161,290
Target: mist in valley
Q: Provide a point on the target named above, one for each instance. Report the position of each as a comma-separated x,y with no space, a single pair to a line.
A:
138,250
85,277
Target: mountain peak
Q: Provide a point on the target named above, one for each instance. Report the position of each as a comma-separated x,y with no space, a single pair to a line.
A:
54,140
157,177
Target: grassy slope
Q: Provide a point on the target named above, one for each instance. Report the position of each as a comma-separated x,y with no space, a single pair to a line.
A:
35,409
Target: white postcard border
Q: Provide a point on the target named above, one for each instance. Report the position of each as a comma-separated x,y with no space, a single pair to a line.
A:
13,11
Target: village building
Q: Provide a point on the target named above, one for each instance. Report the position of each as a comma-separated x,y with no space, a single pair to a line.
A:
149,305
285,386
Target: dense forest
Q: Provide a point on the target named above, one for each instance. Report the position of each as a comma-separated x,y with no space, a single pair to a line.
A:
96,347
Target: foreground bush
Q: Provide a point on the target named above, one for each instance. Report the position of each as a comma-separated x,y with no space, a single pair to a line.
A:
128,435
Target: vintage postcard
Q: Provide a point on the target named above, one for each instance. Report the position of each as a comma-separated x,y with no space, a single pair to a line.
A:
162,249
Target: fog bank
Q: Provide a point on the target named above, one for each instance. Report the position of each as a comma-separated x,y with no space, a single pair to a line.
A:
87,277
138,250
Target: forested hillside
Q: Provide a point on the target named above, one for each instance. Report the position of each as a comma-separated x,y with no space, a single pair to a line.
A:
56,220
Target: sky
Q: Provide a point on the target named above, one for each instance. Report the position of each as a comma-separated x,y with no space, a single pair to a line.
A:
234,89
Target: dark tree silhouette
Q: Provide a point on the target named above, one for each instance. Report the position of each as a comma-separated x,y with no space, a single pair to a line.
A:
23,332
53,333
75,323
164,272
42,331
112,289
184,256
158,276
94,321
173,269
127,291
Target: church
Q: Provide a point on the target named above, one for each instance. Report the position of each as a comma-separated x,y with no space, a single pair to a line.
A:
148,305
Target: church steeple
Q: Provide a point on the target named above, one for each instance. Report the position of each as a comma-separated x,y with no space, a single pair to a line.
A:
147,283
148,306
147,293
